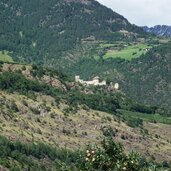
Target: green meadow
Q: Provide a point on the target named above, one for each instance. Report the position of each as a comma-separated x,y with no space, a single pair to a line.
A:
128,115
4,56
127,52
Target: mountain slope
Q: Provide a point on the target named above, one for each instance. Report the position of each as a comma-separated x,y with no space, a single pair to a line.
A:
70,34
146,79
160,30
43,106
149,79
40,31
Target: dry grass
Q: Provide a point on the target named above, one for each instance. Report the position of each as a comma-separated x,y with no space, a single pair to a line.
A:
78,129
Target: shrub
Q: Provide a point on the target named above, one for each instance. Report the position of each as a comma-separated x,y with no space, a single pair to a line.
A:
23,68
108,132
35,111
135,122
25,103
110,157
14,107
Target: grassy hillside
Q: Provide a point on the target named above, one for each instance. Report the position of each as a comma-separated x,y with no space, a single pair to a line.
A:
42,105
128,52
111,155
43,114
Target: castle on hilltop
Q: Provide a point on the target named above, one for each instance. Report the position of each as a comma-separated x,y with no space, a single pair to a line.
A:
96,82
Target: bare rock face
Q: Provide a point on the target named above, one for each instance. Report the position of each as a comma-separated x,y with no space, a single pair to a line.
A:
3,169
27,73
53,82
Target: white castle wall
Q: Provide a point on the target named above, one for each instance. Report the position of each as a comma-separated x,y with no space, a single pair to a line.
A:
96,82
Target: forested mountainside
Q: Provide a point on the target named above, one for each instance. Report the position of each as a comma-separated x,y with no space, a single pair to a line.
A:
48,121
44,31
160,30
146,79
150,77
75,35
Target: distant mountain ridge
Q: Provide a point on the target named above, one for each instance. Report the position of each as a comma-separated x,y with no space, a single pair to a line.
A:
160,30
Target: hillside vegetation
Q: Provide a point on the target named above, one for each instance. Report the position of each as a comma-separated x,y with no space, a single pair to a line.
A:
19,156
128,52
146,79
50,122
43,106
76,35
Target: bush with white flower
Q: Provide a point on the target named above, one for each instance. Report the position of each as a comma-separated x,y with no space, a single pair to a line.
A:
110,156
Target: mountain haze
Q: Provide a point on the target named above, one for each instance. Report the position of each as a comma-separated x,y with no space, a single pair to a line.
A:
160,30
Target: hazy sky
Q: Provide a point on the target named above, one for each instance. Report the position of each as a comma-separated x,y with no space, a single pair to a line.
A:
142,12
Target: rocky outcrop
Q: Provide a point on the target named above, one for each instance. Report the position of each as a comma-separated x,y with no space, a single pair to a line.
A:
53,81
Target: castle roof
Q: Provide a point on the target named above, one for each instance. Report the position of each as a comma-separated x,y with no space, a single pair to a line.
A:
96,78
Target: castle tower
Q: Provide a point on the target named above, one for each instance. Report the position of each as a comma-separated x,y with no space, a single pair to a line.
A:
116,86
96,80
77,78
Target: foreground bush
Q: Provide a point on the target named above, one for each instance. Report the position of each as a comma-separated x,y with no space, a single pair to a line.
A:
111,157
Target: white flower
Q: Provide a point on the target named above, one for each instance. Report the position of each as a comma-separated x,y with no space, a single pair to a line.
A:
88,155
87,159
93,152
124,168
